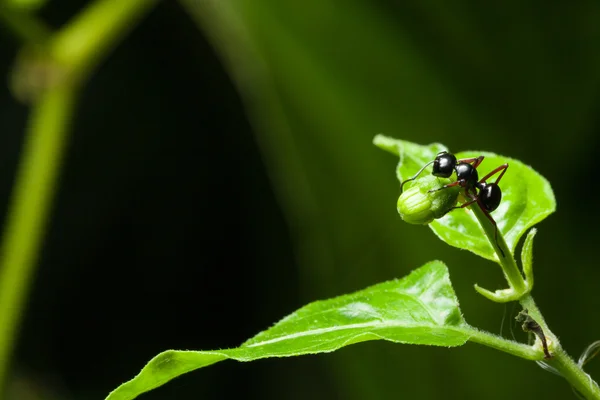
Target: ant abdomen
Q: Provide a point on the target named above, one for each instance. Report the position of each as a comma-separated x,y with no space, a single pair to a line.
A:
490,195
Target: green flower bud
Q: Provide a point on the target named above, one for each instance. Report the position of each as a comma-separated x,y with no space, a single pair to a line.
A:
417,205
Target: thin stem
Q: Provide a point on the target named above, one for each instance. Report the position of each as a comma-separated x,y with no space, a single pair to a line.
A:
78,48
509,265
575,375
29,209
560,360
82,43
528,304
505,345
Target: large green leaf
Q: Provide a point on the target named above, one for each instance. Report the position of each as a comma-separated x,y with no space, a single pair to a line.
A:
527,197
419,309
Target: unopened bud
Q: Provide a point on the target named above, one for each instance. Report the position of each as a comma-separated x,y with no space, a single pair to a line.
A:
419,205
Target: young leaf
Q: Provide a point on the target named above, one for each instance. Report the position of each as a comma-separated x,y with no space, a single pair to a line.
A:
412,156
527,257
527,199
419,309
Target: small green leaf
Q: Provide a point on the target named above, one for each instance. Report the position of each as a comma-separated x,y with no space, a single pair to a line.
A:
419,309
527,197
527,257
412,156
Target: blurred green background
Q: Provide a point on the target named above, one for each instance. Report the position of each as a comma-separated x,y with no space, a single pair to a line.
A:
220,174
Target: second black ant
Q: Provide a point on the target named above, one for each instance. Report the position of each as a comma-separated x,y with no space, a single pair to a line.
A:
486,195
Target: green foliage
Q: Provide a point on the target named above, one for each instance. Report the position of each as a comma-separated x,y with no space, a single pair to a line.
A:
527,197
527,257
528,206
418,309
421,308
49,73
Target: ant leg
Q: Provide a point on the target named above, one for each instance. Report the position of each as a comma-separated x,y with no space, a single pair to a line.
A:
502,168
475,160
467,204
455,183
478,161
415,177
471,196
489,216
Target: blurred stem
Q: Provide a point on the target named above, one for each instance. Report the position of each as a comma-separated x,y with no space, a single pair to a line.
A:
28,210
75,50
82,43
24,25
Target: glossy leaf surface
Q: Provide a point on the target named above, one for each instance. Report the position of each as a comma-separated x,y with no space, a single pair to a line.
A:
419,309
527,197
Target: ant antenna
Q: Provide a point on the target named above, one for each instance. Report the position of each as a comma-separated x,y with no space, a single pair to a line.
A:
416,176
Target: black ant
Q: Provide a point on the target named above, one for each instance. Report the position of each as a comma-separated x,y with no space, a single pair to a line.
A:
487,195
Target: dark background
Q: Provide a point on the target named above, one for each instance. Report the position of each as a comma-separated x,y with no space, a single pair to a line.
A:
217,179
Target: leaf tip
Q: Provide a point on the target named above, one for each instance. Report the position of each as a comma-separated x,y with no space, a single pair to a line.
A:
386,143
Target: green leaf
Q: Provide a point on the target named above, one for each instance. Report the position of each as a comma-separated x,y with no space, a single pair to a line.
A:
419,309
527,257
527,197
412,156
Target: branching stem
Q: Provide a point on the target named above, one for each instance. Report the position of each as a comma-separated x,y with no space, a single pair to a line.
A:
78,47
560,360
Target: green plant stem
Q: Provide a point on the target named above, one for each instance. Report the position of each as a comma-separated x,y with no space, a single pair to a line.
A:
505,345
560,360
82,43
28,210
507,262
77,48
575,375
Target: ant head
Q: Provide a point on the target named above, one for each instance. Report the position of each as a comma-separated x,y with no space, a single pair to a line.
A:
444,164
489,195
